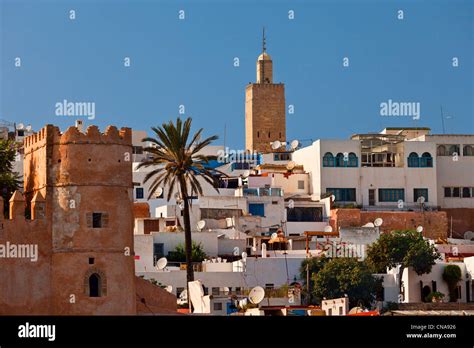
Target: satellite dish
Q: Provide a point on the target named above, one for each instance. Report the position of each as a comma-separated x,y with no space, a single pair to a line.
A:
469,235
421,200
378,222
244,256
419,229
181,205
169,288
201,224
328,229
161,263
225,290
158,192
294,144
183,295
369,224
256,295
29,128
20,126
246,174
333,198
276,144
274,235
243,303
291,165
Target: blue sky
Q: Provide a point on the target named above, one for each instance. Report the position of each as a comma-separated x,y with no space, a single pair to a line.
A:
190,62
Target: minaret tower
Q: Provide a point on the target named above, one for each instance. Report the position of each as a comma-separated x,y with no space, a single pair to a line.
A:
265,119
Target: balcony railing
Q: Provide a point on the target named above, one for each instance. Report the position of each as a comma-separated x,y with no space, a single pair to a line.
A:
263,191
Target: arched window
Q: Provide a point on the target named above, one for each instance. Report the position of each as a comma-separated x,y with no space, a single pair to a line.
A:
413,160
468,150
426,160
352,160
95,285
340,160
453,149
441,151
328,160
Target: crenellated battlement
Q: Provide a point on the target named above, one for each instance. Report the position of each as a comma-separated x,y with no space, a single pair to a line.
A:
52,135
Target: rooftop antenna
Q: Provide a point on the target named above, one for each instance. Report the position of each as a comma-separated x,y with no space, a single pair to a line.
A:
264,49
442,119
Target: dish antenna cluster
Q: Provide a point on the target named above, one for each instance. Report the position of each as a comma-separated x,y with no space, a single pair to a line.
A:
277,144
377,223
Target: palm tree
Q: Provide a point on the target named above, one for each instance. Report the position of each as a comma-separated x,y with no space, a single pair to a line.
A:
178,165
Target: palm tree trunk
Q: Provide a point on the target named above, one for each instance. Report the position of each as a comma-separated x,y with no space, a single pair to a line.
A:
187,237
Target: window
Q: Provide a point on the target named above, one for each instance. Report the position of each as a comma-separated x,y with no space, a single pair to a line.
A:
340,310
353,162
215,291
448,150
420,192
391,195
257,209
453,149
217,306
281,156
328,160
91,260
258,134
158,251
441,150
426,160
339,160
329,311
179,291
97,220
456,192
413,160
138,150
466,192
304,214
21,132
95,285
343,194
447,192
139,193
300,184
269,134
468,150
269,286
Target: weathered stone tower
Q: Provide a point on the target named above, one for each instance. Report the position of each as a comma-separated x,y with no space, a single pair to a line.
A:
81,185
265,119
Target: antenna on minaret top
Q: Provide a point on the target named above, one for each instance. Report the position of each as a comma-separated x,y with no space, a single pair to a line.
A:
264,48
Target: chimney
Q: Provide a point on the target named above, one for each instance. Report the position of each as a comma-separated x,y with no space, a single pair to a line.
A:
17,205
38,206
